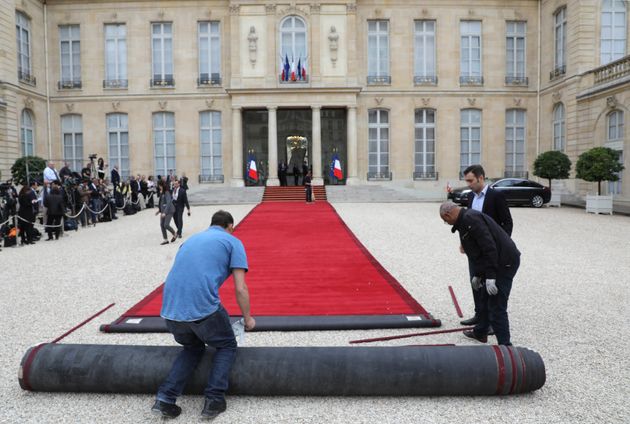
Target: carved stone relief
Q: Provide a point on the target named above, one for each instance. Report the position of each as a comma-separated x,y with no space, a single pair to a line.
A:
28,102
315,8
70,107
517,101
209,103
235,9
270,9
472,101
333,44
252,39
426,101
556,96
162,104
611,102
351,8
378,100
116,105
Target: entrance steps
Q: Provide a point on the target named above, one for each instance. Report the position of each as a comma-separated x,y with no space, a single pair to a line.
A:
292,194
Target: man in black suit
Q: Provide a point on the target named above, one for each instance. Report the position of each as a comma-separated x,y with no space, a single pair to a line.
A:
115,177
484,199
180,200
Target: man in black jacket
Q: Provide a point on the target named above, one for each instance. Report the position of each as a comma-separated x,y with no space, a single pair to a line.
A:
180,200
494,261
484,199
115,177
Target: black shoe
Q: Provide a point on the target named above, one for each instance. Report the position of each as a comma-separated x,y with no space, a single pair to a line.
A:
164,242
212,408
167,410
179,236
490,331
470,321
471,334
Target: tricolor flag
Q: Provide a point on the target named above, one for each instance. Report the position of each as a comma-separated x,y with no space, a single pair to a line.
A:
286,69
252,170
335,168
293,70
299,69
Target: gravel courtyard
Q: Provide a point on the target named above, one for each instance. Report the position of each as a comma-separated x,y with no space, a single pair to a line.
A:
569,302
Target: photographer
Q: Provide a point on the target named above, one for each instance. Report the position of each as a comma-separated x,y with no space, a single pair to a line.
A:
28,210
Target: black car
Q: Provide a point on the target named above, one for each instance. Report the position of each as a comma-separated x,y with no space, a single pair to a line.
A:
517,191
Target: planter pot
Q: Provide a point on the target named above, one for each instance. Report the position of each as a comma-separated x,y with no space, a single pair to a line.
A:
599,204
556,198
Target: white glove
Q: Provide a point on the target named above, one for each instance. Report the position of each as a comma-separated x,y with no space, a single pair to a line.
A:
476,283
491,287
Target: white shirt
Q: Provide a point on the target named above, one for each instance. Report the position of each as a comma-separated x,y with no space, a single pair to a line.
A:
478,199
50,174
175,193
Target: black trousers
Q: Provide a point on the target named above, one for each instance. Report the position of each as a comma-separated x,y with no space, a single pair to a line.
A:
179,219
53,220
309,194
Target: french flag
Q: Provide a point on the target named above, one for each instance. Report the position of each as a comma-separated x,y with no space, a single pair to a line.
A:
286,69
335,168
252,171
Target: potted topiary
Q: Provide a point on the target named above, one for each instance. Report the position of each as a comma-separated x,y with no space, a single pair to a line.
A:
596,165
552,165
27,168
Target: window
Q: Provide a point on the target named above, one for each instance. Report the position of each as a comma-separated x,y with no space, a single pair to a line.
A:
378,52
470,138
613,36
515,143
559,131
115,56
70,49
515,53
72,134
424,155
23,36
118,141
378,144
615,126
26,133
470,56
293,48
209,53
164,142
424,53
210,138
614,187
162,45
560,36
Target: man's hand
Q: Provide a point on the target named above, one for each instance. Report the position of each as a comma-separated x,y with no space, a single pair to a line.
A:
491,287
250,323
188,212
163,215
475,282
461,249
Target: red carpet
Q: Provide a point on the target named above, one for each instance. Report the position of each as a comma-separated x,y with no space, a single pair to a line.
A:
304,260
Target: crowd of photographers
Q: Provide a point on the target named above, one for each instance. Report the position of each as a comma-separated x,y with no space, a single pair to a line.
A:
62,200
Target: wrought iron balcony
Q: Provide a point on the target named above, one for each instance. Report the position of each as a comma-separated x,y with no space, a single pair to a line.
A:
26,77
215,178
379,79
613,70
209,79
432,175
166,81
516,174
516,80
379,176
470,80
425,80
558,72
68,84
115,83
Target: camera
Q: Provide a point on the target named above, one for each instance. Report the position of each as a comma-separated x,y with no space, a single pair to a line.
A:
92,156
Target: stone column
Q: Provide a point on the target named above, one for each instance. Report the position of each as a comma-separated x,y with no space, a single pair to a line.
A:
272,140
352,177
316,160
237,148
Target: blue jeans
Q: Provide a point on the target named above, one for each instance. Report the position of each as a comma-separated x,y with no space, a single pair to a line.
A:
214,331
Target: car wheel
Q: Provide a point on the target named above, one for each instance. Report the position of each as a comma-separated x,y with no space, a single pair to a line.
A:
537,201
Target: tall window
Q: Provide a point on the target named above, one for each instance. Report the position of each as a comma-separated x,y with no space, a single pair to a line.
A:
210,138
115,56
70,49
560,34
26,133
118,141
378,143
162,44
23,35
559,131
378,52
209,53
424,155
515,143
293,44
164,142
615,140
424,52
470,138
470,56
72,134
515,52
613,37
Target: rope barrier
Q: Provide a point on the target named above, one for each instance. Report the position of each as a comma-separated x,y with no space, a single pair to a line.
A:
9,219
97,213
75,216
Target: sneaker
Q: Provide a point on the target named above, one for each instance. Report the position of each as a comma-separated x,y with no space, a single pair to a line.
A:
470,321
212,408
471,334
167,410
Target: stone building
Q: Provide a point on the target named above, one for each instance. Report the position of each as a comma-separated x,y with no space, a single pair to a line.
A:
402,92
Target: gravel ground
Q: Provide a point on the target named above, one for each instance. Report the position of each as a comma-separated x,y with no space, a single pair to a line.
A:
569,302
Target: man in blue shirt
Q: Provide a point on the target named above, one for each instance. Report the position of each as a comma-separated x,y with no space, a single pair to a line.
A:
194,314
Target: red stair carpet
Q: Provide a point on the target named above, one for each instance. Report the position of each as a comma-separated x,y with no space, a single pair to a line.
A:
304,263
292,194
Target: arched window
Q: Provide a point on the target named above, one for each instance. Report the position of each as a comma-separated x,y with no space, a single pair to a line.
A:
118,142
613,35
164,142
559,130
424,154
615,126
378,143
27,129
210,140
515,143
72,134
293,44
470,138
